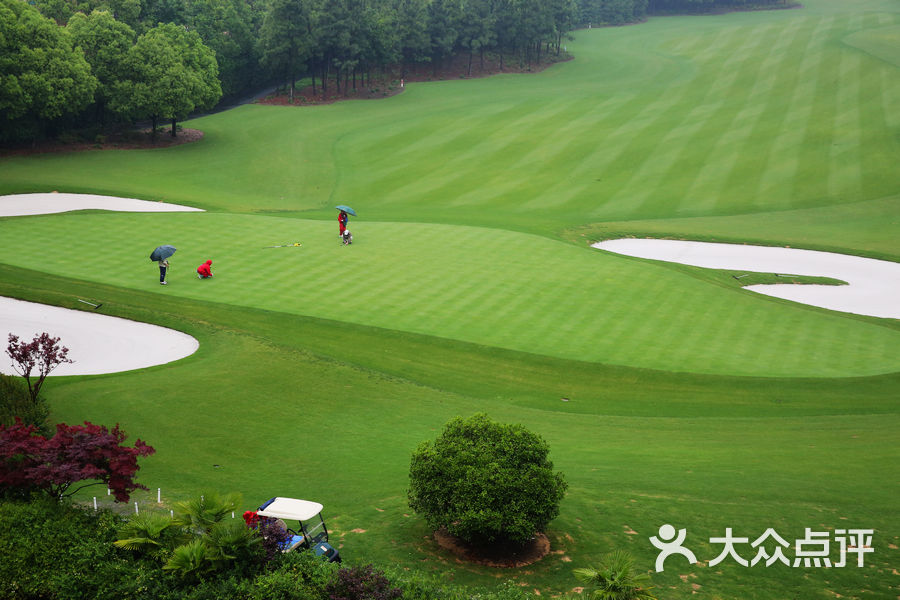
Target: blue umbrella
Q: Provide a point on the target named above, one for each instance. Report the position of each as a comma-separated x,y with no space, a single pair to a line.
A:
162,252
346,209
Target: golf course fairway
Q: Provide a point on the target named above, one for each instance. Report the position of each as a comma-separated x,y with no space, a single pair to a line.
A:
667,393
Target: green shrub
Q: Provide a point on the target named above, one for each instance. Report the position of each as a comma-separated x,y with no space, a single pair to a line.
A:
15,401
485,482
199,541
53,550
298,576
222,587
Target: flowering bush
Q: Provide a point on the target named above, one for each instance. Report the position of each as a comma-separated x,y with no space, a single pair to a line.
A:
361,583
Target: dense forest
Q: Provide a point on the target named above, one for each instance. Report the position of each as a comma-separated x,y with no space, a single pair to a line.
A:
99,64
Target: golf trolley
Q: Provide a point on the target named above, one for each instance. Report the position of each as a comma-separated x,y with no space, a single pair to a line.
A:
313,534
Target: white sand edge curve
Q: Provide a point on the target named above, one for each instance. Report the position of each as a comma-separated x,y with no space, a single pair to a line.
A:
17,205
873,285
97,343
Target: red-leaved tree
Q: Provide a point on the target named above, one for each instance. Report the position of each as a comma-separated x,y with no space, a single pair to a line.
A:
76,453
43,352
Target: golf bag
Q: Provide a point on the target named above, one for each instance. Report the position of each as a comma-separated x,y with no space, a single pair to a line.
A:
347,238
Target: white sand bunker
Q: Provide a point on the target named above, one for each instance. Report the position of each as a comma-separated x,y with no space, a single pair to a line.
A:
97,343
874,285
37,204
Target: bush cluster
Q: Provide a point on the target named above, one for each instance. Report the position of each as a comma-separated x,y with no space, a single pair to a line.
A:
60,551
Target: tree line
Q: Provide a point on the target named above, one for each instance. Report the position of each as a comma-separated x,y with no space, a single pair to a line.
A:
103,63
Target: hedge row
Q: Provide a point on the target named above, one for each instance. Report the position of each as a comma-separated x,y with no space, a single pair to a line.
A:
61,551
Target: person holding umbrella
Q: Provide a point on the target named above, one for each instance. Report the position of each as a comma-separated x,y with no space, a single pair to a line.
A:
343,218
342,223
161,255
163,267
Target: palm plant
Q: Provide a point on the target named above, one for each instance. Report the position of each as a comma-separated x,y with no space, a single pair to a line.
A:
151,534
199,514
615,579
191,561
211,540
232,543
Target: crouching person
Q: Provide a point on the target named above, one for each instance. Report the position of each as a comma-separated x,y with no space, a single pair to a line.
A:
204,271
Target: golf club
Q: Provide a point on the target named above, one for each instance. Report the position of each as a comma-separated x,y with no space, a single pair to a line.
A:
96,306
285,245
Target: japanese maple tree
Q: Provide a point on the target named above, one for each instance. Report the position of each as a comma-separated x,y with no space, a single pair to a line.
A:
43,353
76,453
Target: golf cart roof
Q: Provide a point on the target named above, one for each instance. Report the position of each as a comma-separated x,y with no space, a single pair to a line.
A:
290,508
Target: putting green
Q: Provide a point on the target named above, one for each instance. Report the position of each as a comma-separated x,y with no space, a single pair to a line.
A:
496,288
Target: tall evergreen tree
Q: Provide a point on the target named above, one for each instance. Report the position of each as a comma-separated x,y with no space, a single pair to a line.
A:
228,28
286,39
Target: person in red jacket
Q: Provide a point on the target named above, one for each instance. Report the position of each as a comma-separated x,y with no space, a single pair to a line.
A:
204,271
342,223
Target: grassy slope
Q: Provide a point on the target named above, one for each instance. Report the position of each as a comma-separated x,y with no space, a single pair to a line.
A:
760,127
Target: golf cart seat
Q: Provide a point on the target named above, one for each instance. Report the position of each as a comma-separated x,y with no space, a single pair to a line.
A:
295,542
297,539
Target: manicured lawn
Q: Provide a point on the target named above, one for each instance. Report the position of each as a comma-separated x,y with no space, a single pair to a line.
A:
667,394
495,288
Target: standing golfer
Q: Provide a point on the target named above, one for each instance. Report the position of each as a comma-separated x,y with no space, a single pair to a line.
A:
342,223
204,271
163,265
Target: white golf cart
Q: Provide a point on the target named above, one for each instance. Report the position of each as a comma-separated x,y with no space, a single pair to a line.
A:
313,534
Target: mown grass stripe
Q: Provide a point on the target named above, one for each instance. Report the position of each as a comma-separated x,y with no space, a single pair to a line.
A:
693,163
786,145
890,98
812,180
844,176
534,144
620,165
773,84
719,78
574,149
